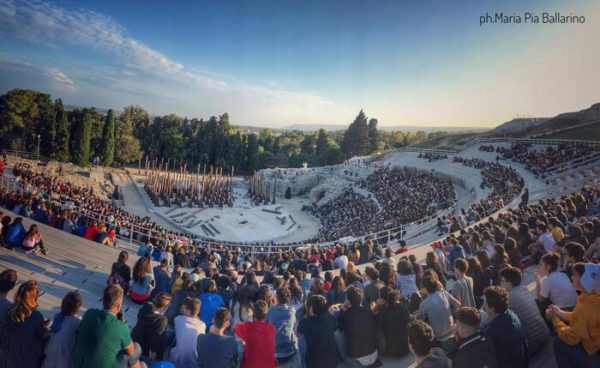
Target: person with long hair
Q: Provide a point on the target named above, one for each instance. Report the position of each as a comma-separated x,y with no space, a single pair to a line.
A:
121,268
65,326
24,329
391,320
143,281
337,293
297,294
33,241
433,262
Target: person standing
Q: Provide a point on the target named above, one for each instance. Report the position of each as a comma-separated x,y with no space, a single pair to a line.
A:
259,339
463,287
215,349
104,340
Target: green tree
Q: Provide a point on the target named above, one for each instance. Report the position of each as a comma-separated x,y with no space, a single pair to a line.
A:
107,146
356,137
82,139
373,135
63,133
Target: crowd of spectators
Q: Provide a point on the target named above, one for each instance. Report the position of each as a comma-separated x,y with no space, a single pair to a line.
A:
539,159
403,195
465,305
432,157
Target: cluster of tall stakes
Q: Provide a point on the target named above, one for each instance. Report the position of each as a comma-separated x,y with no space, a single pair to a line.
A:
170,184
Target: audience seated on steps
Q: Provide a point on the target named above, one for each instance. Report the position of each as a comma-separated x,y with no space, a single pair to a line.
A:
473,350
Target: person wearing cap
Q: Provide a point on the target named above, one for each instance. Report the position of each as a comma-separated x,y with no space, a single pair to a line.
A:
578,340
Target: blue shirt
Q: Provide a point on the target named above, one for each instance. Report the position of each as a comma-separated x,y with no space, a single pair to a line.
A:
209,303
216,351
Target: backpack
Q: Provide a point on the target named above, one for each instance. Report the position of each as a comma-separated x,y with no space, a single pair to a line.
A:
116,279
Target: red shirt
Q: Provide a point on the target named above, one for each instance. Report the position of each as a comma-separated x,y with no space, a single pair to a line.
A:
402,250
90,233
259,337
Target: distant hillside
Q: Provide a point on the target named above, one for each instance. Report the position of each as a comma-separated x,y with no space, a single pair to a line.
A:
516,125
564,122
395,128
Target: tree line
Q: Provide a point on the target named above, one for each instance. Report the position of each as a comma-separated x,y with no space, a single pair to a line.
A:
83,134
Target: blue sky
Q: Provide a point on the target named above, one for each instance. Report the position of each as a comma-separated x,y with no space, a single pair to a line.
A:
273,63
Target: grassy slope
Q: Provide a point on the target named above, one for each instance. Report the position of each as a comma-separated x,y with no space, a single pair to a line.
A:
446,142
588,133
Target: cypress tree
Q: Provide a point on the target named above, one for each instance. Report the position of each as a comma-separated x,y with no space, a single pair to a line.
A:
63,132
373,135
84,132
107,145
356,137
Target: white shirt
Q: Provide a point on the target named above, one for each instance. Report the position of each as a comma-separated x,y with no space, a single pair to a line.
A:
548,241
184,353
558,288
341,262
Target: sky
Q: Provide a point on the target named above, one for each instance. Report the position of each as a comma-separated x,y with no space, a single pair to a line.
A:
278,62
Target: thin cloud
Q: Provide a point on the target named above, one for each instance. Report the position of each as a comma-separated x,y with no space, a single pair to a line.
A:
167,83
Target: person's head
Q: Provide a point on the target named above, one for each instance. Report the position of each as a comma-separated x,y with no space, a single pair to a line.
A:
496,300
549,263
222,319
71,303
372,273
461,266
161,301
283,295
467,322
509,244
112,298
190,307
260,310
8,280
420,338
141,268
123,257
390,296
33,230
354,296
510,277
431,284
575,252
586,277
405,267
317,305
25,301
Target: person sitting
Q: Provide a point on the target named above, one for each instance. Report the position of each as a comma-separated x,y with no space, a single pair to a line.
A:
91,231
23,329
187,329
104,340
151,330
436,309
391,321
210,301
578,340
33,241
65,327
145,249
283,317
463,287
318,330
121,272
474,350
15,233
406,283
374,285
215,349
143,281
259,339
162,277
421,343
504,330
555,287
521,303
357,324
574,253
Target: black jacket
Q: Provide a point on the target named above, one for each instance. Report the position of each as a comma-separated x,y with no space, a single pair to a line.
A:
358,326
149,329
474,352
505,332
